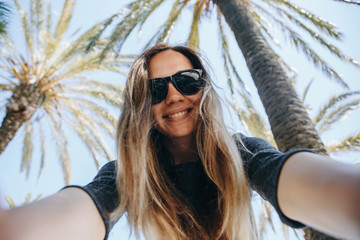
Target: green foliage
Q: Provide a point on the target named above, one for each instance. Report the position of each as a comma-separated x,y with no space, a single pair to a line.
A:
59,69
292,20
4,12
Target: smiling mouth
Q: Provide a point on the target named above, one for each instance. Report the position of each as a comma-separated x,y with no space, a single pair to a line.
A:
178,114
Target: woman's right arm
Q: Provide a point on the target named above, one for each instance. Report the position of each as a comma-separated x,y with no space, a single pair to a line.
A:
68,214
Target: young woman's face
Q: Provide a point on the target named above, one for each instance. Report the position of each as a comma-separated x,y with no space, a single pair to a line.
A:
177,115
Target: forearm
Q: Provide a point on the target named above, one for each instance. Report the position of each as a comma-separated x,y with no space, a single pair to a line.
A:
321,193
69,214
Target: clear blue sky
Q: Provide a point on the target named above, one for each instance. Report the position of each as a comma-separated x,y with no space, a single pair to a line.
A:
88,12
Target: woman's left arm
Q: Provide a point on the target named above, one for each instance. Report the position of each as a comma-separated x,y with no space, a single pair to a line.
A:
321,193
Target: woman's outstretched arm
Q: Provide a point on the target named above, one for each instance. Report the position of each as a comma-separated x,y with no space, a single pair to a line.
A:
68,214
321,193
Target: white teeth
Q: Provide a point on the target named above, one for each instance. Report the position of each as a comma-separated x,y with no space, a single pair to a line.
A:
179,114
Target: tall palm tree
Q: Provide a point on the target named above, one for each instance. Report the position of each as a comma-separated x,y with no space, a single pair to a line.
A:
290,123
47,87
248,21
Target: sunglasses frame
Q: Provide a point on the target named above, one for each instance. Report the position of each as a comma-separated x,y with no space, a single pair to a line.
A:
172,79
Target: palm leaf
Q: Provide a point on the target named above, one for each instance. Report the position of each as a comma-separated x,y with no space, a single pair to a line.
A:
193,39
64,20
300,44
26,28
252,120
335,115
43,150
27,149
350,143
138,12
62,146
322,41
331,103
325,26
10,201
4,12
349,1
306,90
166,30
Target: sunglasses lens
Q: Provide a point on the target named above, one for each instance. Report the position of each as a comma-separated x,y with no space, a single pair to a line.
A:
189,82
159,90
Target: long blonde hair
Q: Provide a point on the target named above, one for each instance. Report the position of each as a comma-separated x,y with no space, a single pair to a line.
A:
152,204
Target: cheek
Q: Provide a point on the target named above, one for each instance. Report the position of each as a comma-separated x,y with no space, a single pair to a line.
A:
156,112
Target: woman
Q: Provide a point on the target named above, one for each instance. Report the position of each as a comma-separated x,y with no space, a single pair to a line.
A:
181,175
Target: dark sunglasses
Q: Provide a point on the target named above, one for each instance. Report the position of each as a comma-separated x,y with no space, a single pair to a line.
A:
187,82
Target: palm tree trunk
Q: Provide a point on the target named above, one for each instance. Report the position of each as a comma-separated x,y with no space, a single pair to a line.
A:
26,99
290,123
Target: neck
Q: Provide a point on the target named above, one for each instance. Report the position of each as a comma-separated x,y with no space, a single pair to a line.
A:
183,149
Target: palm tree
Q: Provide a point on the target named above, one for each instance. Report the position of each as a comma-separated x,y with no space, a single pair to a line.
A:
48,87
290,123
247,20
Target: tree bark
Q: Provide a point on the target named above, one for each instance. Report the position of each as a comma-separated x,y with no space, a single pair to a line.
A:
26,99
290,123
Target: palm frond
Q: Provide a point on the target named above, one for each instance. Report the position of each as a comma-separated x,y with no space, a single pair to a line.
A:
43,147
166,30
306,90
300,44
10,201
61,144
252,120
327,27
4,12
89,143
86,42
331,103
316,59
29,199
108,97
64,20
93,41
334,50
350,143
26,28
59,73
90,135
98,111
138,12
335,115
27,150
4,87
85,120
193,39
265,218
349,1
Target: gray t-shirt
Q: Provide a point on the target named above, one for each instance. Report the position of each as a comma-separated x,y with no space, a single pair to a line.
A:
262,164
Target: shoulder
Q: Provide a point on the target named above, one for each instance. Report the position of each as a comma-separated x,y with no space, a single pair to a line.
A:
250,143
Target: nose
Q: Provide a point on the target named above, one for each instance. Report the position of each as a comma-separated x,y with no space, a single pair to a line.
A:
173,95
